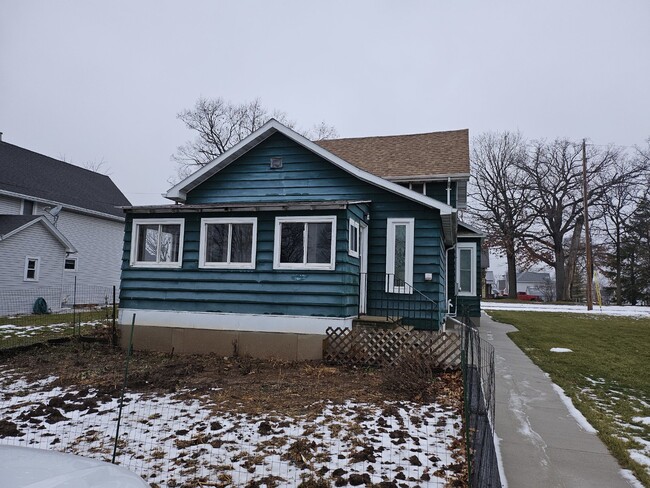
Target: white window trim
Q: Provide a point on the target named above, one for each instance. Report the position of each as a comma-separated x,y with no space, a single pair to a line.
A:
37,268
307,220
390,254
227,265
134,242
472,247
76,265
353,224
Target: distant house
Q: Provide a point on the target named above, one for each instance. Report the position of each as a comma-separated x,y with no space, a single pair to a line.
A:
538,284
491,285
57,222
280,238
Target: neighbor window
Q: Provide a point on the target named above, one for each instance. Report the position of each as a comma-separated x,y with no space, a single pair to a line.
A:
305,243
228,243
32,268
157,243
353,235
399,255
70,264
466,268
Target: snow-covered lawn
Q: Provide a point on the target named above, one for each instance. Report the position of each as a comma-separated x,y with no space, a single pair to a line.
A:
628,311
184,439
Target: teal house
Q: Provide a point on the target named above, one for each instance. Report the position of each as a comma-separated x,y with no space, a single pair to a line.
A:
280,238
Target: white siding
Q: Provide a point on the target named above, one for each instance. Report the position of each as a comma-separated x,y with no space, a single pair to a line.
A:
99,248
35,241
9,205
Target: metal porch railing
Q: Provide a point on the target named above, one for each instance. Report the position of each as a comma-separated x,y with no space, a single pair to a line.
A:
398,302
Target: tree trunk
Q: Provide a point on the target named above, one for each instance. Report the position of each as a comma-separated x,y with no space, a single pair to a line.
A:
560,291
573,257
619,271
512,275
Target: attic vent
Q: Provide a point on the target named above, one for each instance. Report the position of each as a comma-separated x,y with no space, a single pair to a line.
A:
276,163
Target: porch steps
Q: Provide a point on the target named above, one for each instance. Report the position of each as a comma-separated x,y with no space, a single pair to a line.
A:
381,322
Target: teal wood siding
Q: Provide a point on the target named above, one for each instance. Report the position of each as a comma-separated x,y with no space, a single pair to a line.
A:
438,191
303,177
467,305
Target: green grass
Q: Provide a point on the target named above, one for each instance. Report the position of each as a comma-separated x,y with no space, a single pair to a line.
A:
32,328
607,376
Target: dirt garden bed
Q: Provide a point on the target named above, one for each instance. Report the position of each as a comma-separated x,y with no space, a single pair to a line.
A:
213,421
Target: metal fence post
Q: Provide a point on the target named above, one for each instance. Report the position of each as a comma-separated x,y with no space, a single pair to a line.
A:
126,375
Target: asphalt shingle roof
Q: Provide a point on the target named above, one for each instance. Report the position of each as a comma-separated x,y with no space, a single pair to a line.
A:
413,155
9,223
29,173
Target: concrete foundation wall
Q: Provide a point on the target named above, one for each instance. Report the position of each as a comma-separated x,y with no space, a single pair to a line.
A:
281,345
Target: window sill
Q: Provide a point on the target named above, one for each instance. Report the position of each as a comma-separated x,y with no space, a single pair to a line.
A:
156,265
227,266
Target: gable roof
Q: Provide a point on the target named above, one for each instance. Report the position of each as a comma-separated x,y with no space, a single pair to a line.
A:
25,173
433,155
532,277
179,192
13,224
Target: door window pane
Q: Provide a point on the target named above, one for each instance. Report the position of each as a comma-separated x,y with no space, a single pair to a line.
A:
147,243
169,239
400,254
465,278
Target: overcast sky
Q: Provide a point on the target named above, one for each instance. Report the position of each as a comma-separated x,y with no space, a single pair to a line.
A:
103,80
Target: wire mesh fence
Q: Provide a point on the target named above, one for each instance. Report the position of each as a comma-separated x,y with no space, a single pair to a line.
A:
479,404
213,421
38,315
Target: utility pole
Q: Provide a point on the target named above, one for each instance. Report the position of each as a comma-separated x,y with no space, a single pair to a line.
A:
587,236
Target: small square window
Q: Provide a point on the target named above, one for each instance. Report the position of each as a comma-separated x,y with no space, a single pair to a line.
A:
353,247
70,264
32,268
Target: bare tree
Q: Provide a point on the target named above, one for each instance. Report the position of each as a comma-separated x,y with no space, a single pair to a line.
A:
100,166
220,124
499,194
555,199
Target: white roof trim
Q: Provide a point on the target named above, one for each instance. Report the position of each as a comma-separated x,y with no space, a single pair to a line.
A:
179,191
472,229
48,225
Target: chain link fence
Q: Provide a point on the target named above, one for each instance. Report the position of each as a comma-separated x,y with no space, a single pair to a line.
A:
477,364
39,315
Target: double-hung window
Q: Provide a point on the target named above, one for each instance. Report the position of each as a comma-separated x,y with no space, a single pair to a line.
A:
32,269
157,243
305,243
399,255
228,243
466,268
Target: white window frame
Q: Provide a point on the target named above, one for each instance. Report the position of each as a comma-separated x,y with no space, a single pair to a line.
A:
472,247
390,255
37,268
76,265
227,264
325,219
352,242
156,264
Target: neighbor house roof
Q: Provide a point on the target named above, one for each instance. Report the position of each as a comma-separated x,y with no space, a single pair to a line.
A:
532,277
26,174
407,157
13,224
179,192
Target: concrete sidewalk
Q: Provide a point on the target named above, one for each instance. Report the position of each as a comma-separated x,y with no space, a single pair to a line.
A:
542,445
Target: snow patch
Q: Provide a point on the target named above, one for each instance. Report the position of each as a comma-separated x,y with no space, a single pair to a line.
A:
626,311
575,413
502,470
641,420
630,478
560,349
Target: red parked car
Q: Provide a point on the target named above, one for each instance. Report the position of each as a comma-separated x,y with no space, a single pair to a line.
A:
522,295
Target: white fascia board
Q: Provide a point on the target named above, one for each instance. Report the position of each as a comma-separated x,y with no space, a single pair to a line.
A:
294,324
427,178
179,191
69,248
474,232
65,206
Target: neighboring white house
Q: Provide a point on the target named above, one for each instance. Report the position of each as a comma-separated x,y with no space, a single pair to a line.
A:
538,284
57,222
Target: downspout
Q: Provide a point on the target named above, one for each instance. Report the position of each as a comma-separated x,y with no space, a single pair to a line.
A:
447,299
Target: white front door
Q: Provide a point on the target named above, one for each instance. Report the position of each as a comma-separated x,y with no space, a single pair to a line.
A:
363,268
